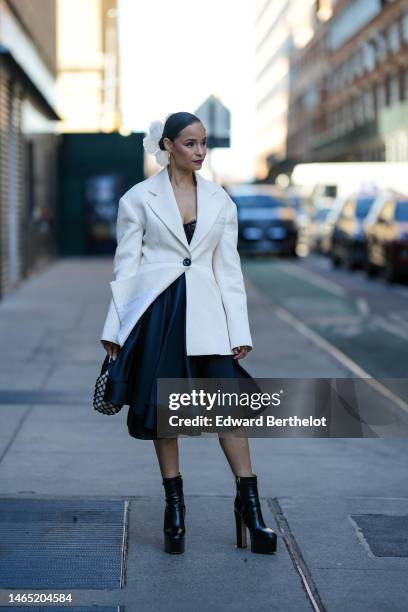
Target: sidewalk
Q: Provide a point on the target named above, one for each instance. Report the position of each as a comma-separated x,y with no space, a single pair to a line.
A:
53,445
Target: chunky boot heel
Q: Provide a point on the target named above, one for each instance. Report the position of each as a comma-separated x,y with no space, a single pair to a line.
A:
241,531
173,545
174,514
248,514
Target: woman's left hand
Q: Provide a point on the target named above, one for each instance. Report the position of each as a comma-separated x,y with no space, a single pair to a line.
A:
241,351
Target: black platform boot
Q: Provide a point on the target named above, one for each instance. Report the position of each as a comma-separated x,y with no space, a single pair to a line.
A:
248,514
174,514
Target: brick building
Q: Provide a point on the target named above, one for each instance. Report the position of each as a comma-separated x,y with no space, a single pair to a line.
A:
348,92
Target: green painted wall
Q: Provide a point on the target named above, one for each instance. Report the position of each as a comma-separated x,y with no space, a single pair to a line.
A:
80,157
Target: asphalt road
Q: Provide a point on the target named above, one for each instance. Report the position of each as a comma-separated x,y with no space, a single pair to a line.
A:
366,319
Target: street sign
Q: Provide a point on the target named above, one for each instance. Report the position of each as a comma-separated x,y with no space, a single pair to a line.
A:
216,119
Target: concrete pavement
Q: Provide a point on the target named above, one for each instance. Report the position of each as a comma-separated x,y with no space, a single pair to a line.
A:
53,445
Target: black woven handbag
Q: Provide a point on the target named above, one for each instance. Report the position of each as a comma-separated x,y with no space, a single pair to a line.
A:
99,403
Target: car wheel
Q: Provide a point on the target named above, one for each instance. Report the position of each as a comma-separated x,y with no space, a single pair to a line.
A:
369,268
336,261
350,264
390,272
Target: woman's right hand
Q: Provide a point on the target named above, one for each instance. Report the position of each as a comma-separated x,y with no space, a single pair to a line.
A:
111,348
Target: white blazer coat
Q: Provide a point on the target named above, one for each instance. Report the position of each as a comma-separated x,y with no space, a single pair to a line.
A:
152,251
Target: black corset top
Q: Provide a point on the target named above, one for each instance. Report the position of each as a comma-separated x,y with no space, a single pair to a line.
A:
189,229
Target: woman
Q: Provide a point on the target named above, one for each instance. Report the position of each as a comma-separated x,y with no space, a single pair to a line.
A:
173,316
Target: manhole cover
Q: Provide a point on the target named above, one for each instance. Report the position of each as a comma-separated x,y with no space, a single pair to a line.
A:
62,544
386,535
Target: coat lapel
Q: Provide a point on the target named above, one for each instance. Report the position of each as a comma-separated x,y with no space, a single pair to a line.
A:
162,201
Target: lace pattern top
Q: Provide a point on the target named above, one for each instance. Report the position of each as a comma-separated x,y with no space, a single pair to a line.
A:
189,229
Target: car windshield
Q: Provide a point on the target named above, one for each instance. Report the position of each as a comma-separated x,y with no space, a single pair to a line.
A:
259,201
401,210
321,214
258,207
335,211
363,206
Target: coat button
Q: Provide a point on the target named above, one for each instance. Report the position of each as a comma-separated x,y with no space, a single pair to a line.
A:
186,262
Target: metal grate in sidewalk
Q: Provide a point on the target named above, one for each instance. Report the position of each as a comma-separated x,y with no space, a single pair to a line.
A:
53,609
62,544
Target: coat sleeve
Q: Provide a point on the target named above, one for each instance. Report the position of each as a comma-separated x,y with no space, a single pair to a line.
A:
228,274
129,234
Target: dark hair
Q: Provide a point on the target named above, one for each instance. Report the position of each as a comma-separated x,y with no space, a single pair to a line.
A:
174,124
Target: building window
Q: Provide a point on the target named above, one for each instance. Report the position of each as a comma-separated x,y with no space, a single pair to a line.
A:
405,91
350,70
394,90
349,116
311,98
381,96
353,66
405,27
368,56
381,46
393,38
361,65
369,105
356,111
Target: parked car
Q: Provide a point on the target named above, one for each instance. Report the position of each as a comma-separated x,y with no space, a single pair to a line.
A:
315,228
387,236
348,242
328,226
302,207
266,220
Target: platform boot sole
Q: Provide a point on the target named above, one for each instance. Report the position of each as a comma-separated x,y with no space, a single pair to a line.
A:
173,547
258,545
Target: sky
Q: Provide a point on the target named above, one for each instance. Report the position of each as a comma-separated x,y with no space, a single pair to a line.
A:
174,54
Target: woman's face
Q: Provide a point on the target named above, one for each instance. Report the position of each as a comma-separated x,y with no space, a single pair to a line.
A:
189,148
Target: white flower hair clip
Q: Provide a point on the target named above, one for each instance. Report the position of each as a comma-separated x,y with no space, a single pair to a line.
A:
151,141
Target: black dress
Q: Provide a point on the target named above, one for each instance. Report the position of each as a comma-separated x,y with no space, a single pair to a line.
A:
156,348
